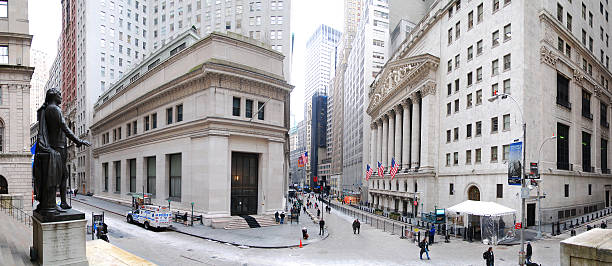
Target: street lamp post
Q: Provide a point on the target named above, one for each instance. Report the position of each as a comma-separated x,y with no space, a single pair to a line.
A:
539,197
523,187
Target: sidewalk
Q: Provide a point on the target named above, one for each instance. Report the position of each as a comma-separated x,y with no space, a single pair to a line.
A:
280,236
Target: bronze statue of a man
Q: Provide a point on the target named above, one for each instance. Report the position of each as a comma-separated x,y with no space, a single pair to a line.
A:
50,169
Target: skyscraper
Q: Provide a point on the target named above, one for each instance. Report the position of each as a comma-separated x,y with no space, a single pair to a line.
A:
265,21
40,61
101,40
320,68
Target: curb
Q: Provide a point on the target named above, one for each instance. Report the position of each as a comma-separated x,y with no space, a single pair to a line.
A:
171,228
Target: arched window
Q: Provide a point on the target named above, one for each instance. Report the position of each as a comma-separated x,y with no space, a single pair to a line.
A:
3,185
474,193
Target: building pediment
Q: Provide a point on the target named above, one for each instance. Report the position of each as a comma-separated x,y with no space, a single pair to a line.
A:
400,74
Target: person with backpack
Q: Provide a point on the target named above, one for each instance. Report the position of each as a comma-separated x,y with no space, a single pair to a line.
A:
424,248
282,218
489,256
276,217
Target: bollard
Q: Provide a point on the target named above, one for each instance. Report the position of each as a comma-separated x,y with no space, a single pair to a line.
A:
558,231
418,236
552,229
409,220
582,219
564,226
588,219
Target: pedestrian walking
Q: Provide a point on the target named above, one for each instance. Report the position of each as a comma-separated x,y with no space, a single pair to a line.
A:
356,225
318,212
529,252
432,233
282,217
489,256
276,217
424,248
321,227
603,225
304,209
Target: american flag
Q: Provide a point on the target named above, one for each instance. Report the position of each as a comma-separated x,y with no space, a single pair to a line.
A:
369,171
381,170
305,156
394,168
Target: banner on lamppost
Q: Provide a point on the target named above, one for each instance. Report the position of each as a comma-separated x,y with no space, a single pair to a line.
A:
514,164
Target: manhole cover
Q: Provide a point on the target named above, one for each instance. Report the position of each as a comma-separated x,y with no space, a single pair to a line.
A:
190,250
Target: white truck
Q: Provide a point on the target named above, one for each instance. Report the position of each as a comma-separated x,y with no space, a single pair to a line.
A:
151,216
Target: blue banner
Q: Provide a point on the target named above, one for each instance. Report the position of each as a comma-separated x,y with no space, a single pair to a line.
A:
514,164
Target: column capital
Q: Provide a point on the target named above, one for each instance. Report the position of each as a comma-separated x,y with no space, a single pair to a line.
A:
397,108
374,125
389,113
427,89
414,97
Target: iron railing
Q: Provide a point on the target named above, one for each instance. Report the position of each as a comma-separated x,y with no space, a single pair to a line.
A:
16,212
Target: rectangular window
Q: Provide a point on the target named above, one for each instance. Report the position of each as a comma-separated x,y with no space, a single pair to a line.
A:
563,147
236,107
457,30
449,89
603,115
506,122
507,86
563,91
560,44
494,125
507,62
468,157
129,129
469,79
450,35
448,159
451,189
478,97
470,20
500,191
3,8
494,89
4,54
495,38
469,101
586,105
154,121
132,175
449,67
468,131
479,74
569,22
249,108
495,5
590,189
479,47
134,127
457,61
449,108
507,32
566,190
169,116
478,156
457,85
505,152
117,176
478,128
105,170
456,134
175,176
455,158
586,152
456,105
494,154
479,9
146,123
495,67
448,135
260,111
604,156
559,12
470,53
151,175
179,113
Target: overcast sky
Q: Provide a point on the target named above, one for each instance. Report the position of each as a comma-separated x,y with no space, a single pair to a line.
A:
306,15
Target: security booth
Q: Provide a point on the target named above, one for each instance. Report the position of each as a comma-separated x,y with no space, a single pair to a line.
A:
488,222
140,199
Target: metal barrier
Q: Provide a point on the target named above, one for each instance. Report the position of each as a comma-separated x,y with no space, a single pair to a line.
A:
366,215
17,213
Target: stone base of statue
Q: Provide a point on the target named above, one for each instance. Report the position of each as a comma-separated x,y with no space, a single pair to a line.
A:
60,239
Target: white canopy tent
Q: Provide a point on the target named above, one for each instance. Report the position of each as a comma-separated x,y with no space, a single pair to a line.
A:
481,208
491,226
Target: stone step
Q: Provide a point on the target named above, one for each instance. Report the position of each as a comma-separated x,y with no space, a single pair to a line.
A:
238,222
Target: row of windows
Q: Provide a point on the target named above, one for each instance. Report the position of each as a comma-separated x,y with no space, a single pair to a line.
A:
149,121
469,104
174,162
478,156
478,128
479,10
248,108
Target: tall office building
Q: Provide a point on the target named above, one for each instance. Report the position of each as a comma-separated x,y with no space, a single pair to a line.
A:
320,68
369,52
267,21
101,40
40,61
15,75
454,133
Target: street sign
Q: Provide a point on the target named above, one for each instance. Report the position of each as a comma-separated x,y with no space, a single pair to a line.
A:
517,226
533,171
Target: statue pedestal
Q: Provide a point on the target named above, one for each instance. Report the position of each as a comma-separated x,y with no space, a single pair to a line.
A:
60,240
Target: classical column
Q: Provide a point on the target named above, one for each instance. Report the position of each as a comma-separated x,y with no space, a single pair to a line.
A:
398,134
373,139
379,146
391,138
416,135
428,131
406,136
385,138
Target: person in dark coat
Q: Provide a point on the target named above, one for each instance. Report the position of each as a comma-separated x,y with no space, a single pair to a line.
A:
489,256
529,252
304,209
318,212
276,214
321,227
603,225
424,248
356,225
282,217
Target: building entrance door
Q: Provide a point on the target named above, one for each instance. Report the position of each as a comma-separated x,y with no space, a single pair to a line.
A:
244,183
531,210
607,198
3,185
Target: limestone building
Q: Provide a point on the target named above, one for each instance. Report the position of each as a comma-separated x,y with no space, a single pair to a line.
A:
202,121
430,107
15,75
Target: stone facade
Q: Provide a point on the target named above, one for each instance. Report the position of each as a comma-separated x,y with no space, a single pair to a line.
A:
430,110
15,75
203,83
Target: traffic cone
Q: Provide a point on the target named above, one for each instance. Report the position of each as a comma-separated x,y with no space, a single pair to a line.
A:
300,243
